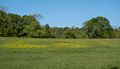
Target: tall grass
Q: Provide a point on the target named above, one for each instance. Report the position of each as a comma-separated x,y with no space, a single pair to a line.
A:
31,53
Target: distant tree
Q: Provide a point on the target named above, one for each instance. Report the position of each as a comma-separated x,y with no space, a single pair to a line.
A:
38,16
32,26
69,34
57,32
117,32
48,31
47,26
15,25
4,26
27,19
98,27
119,28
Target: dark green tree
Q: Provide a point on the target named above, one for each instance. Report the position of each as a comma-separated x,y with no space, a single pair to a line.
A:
117,32
98,27
15,25
32,26
48,31
4,26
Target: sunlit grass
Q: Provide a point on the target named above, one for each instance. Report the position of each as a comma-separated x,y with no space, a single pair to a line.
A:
32,53
39,43
56,43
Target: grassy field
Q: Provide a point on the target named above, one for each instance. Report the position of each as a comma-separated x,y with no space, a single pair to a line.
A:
31,53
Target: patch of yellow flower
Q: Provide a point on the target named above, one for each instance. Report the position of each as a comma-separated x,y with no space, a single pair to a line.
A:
69,45
21,44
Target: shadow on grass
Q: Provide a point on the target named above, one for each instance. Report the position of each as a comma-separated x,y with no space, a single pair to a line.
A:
111,67
115,67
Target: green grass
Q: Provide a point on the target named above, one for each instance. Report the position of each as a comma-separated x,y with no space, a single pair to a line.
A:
31,53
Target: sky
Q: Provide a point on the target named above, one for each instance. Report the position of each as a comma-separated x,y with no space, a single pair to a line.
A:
62,13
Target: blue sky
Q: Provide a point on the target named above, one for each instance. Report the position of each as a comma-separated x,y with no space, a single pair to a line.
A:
69,13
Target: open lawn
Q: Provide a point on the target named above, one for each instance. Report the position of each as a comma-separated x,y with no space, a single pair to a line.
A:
34,53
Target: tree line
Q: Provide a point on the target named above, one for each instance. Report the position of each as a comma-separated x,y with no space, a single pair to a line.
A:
14,25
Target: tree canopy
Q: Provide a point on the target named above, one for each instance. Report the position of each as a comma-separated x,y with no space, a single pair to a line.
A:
14,25
98,27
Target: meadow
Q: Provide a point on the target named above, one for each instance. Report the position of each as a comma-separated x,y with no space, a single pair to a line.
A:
35,53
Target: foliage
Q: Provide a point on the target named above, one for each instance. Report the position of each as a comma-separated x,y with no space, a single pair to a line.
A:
14,25
98,27
4,26
117,33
